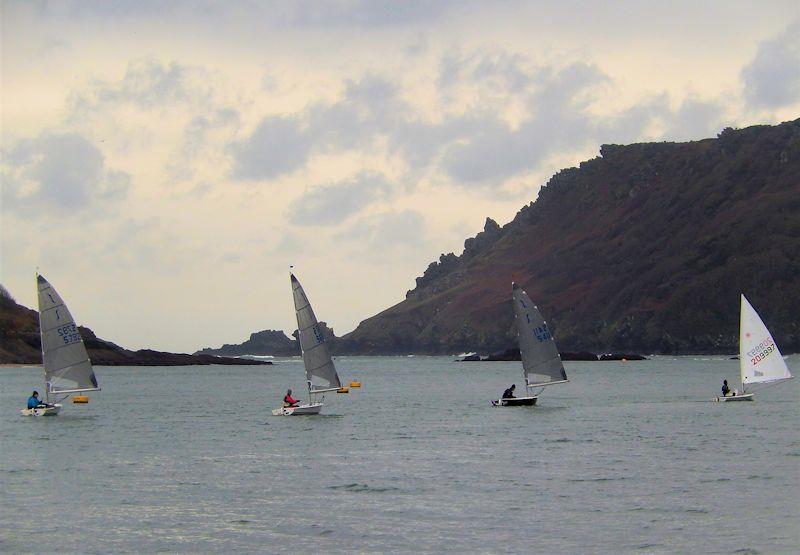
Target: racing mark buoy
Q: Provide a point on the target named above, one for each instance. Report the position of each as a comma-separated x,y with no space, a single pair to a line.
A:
80,399
355,384
343,389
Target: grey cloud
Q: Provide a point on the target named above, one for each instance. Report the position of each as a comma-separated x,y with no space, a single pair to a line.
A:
496,151
278,146
370,13
369,107
387,230
148,84
695,119
198,128
281,145
62,172
772,79
331,204
478,148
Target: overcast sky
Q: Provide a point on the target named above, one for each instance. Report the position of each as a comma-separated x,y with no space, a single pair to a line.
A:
164,162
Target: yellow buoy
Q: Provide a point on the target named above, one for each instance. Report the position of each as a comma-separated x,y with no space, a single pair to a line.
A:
355,384
343,389
80,399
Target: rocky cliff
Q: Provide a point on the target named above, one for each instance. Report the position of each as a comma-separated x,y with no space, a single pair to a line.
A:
644,248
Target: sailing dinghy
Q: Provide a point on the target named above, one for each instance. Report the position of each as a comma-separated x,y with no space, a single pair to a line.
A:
67,368
760,360
541,363
321,375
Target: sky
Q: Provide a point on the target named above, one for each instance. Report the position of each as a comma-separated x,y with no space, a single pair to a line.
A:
164,162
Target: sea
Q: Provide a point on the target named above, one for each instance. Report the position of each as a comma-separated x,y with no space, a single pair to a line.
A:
628,457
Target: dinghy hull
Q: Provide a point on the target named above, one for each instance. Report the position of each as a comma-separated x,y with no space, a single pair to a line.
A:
300,410
515,402
730,398
45,411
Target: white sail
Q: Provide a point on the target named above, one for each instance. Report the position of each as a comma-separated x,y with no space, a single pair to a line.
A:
541,362
320,370
760,360
67,367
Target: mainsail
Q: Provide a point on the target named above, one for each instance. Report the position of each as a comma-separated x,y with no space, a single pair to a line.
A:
320,371
67,368
541,362
760,360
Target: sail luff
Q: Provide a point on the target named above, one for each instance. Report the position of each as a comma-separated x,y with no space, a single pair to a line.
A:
41,342
537,346
320,370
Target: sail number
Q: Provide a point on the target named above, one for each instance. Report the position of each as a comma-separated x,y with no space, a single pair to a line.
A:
69,333
318,334
761,351
542,333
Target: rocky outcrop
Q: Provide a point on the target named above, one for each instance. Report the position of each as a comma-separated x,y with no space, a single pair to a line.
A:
271,343
645,248
267,342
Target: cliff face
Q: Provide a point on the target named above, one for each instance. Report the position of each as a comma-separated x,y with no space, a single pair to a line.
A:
645,248
20,344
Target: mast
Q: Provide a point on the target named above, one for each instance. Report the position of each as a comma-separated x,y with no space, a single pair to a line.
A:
41,343
742,369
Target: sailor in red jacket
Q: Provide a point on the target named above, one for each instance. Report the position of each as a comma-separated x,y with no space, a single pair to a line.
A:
288,400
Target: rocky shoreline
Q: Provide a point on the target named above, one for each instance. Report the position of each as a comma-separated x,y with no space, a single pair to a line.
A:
586,356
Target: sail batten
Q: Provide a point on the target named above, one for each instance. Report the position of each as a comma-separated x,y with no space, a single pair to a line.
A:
67,366
541,363
320,370
760,360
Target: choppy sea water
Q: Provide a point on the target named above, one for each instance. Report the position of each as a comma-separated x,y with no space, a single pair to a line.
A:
627,457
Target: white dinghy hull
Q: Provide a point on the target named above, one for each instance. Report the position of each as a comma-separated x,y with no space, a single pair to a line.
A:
300,410
43,411
742,397
515,402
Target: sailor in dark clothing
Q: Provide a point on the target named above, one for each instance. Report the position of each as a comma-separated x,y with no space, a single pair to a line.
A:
509,393
725,389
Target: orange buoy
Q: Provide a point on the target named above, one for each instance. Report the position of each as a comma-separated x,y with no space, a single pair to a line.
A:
343,389
355,384
80,399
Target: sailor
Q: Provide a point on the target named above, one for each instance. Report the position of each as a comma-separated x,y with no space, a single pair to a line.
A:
288,400
33,401
509,393
725,389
